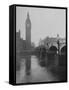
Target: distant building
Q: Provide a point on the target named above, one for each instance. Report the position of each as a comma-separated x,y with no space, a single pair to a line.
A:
32,45
20,43
24,44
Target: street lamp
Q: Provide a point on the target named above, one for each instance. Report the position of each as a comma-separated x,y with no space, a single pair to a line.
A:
58,49
58,43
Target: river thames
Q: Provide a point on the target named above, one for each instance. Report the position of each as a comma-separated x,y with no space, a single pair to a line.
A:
38,73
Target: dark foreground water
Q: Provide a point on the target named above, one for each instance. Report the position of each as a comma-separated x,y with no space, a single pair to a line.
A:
38,73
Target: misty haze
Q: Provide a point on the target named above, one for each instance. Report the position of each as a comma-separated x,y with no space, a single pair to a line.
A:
40,45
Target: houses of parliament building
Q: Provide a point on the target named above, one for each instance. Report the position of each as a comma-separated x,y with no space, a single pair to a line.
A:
24,44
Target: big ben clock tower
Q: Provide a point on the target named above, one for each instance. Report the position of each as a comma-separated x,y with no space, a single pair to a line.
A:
28,32
28,43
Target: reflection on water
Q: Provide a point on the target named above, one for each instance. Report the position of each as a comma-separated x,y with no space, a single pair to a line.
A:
27,64
33,69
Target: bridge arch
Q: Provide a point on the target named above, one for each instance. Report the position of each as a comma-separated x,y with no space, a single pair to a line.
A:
53,48
63,49
62,45
62,60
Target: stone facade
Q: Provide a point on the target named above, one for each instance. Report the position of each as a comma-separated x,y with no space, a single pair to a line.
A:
52,41
20,43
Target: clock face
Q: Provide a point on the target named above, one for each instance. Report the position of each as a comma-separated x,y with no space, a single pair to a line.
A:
28,24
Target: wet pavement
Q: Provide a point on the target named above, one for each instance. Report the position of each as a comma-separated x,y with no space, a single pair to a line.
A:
37,73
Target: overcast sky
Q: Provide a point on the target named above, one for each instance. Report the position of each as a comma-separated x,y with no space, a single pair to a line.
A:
45,22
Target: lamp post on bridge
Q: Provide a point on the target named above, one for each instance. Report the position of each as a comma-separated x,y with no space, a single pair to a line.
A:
58,43
58,50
